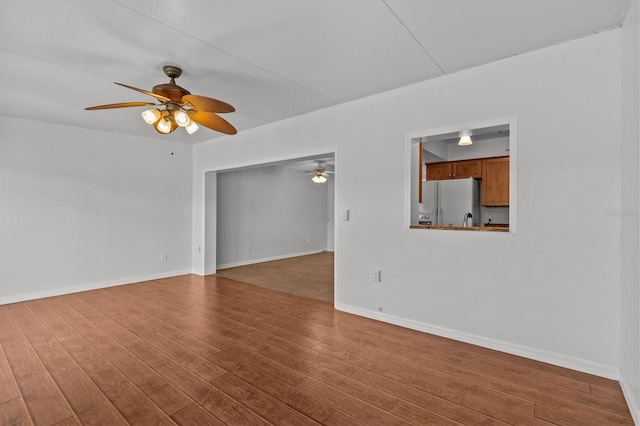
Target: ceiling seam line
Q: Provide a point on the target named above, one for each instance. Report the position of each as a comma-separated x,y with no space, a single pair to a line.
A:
414,37
227,52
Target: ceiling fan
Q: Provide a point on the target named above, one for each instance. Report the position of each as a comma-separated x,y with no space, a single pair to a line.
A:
320,173
177,107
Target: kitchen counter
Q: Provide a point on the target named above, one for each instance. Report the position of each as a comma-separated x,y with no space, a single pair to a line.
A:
463,228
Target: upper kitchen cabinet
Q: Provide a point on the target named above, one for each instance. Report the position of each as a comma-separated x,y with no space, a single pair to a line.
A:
466,169
455,170
495,181
439,171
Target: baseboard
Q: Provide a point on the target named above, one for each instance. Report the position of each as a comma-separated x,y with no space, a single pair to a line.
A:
4,300
267,259
632,402
578,364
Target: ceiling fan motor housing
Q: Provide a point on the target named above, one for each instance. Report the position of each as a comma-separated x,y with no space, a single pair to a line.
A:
171,90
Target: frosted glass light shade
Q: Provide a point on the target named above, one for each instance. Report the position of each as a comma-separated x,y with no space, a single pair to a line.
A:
465,140
181,118
192,127
319,179
151,116
164,125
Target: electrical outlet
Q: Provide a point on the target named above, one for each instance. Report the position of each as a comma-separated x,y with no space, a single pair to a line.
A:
376,275
163,257
248,247
308,240
379,308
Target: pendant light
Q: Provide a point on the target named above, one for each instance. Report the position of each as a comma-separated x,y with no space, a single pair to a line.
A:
465,138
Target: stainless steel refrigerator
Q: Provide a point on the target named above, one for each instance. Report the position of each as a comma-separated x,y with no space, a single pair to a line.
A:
448,202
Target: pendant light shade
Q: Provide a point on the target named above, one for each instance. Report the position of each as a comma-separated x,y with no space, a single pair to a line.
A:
465,141
465,138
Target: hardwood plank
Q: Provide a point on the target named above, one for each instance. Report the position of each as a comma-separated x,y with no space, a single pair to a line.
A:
135,407
87,401
43,398
267,364
145,328
471,358
501,412
544,392
340,418
111,335
608,393
14,412
311,358
420,416
538,365
355,407
426,400
8,387
71,421
260,402
306,404
574,414
89,404
195,415
130,401
211,398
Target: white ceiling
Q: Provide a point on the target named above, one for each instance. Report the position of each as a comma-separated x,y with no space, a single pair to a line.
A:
271,59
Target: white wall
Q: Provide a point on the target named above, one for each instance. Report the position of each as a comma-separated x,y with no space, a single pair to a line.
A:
630,356
331,208
274,210
84,209
555,293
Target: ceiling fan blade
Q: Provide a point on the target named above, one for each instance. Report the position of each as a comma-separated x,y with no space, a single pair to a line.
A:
212,121
203,103
120,105
146,92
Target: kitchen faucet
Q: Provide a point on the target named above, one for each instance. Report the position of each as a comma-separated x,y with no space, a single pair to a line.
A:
465,221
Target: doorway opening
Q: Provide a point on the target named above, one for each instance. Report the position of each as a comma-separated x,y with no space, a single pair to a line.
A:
271,225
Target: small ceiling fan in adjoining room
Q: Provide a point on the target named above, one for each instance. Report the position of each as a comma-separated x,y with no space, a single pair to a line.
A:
177,107
320,173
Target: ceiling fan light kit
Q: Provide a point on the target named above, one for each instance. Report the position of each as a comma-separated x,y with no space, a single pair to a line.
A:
320,174
178,108
319,179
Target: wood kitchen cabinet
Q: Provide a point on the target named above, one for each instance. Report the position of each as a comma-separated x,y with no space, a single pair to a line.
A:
466,169
455,170
495,181
439,171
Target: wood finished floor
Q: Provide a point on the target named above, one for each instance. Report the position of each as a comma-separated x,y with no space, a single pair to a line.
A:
210,351
309,276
